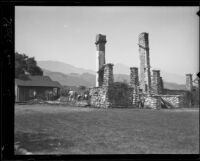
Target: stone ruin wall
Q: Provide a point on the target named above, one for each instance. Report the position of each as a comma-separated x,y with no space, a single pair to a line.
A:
187,97
174,98
115,94
107,93
111,96
120,96
177,101
99,97
152,102
177,98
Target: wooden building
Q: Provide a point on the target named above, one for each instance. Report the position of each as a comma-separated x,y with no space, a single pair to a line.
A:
41,87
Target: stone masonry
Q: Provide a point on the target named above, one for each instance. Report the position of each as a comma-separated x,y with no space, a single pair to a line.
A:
189,82
161,84
111,96
134,83
189,87
120,95
156,82
108,94
176,101
153,102
99,97
145,74
100,58
108,78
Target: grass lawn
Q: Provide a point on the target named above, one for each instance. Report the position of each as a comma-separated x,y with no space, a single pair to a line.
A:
53,129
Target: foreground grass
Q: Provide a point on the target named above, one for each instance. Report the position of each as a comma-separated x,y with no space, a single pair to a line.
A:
44,129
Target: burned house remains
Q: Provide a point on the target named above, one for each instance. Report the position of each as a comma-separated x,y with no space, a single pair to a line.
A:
145,84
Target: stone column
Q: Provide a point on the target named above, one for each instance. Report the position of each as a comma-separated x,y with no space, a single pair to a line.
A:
145,74
108,78
189,86
156,83
161,84
189,82
100,58
134,83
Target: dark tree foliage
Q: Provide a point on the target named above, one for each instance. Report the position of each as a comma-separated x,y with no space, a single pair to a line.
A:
20,64
32,67
25,64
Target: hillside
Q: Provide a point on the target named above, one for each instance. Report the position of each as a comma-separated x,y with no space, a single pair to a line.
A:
56,66
87,79
72,79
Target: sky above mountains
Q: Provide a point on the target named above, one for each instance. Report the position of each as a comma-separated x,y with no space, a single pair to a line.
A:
67,34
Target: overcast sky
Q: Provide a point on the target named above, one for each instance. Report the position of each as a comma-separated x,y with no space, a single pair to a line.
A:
67,34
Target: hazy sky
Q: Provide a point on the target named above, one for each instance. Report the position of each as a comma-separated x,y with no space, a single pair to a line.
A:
67,34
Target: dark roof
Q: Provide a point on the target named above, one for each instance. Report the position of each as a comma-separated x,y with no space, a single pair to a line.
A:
37,81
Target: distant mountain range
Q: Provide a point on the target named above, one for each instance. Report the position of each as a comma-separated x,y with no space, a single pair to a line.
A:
61,67
69,75
72,79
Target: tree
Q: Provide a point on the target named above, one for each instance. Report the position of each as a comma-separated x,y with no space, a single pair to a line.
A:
32,67
20,64
25,64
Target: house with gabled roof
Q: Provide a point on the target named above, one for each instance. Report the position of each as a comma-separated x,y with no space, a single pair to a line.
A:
32,87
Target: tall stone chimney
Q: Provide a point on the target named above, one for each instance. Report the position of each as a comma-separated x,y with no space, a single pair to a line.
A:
134,80
189,82
134,83
100,58
145,74
161,84
156,82
108,77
